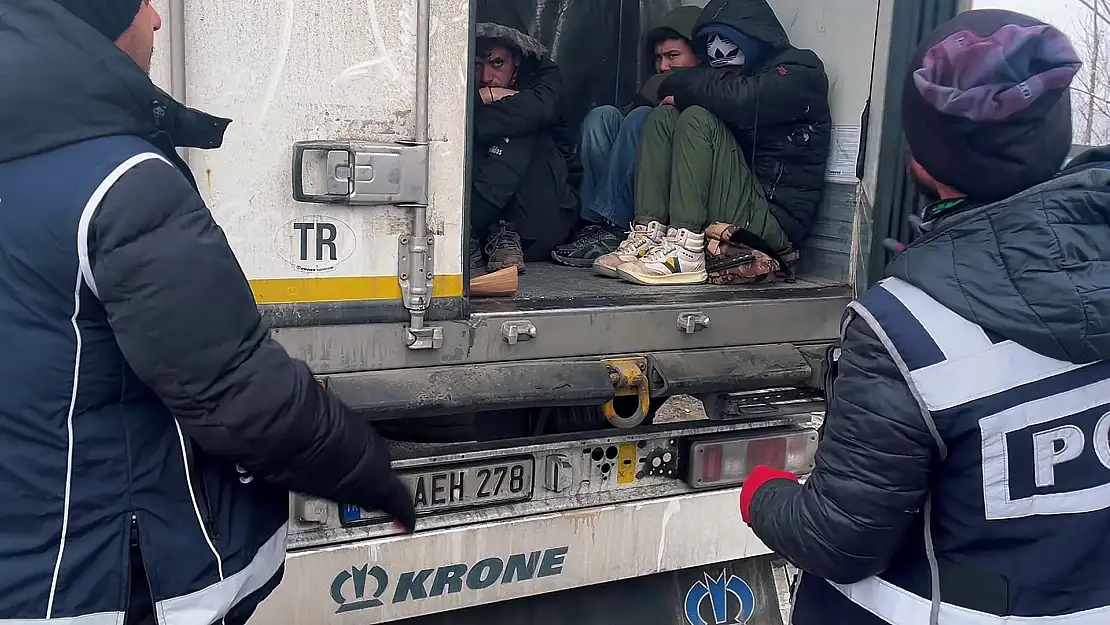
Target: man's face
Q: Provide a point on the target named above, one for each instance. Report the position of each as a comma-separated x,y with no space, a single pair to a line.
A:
671,53
497,68
137,41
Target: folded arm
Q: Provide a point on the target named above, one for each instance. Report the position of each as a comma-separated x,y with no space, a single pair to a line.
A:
526,112
780,94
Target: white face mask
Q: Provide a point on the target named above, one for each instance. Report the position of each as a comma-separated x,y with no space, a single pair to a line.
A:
722,52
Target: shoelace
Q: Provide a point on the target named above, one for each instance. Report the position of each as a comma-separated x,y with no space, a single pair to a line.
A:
591,234
661,251
635,239
503,240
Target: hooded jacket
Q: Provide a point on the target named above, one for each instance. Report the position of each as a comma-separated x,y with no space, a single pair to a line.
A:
778,110
675,23
149,403
536,110
537,107
1032,269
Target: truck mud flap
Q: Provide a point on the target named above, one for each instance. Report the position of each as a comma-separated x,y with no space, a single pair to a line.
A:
433,391
440,571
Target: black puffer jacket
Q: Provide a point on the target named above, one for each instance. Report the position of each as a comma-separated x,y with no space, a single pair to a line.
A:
1032,269
538,106
194,337
779,112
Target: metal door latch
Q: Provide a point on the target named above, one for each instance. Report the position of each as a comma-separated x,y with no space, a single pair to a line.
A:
415,262
691,322
519,330
358,173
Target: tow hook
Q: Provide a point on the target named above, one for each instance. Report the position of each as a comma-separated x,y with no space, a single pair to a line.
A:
629,378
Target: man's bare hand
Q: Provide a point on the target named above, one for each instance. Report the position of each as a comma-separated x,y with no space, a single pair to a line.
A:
669,100
493,94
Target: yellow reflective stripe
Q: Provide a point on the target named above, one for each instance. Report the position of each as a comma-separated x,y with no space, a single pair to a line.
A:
344,289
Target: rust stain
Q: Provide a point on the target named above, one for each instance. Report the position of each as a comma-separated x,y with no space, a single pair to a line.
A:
208,179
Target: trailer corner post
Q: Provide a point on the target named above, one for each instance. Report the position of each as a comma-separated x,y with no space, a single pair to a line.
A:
178,83
415,256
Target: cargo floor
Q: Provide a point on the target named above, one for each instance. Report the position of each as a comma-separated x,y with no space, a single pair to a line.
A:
548,285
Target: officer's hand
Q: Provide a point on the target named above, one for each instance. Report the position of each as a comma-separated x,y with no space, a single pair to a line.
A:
397,502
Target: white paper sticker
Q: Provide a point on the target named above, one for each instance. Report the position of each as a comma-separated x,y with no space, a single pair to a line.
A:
843,153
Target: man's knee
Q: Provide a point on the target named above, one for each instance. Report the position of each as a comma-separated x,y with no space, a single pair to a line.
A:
699,117
638,115
661,119
600,124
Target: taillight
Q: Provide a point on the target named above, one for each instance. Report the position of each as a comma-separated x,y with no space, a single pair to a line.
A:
714,462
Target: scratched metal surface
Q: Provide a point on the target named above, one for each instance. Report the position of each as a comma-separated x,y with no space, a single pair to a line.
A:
288,70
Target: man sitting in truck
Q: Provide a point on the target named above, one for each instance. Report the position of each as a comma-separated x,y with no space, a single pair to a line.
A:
520,202
964,472
742,140
611,142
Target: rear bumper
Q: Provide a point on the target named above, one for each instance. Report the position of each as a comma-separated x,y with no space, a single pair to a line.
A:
389,579
431,391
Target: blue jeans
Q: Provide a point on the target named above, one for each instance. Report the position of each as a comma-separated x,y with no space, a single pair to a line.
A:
610,142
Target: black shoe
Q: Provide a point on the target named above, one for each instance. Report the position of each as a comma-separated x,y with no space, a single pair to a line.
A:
504,250
475,258
593,241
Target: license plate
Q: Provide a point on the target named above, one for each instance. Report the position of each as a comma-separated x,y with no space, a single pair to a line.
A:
455,487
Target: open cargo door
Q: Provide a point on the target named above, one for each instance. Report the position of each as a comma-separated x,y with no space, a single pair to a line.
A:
377,235
887,183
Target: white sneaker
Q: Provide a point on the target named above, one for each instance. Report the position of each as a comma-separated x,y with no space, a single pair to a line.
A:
639,241
679,259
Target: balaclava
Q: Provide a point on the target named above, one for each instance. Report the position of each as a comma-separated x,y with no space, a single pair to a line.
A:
109,17
986,107
726,46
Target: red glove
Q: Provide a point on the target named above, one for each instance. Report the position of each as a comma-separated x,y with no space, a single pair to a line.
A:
758,477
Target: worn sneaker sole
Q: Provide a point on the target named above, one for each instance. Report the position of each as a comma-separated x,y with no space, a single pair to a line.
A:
605,271
572,262
691,277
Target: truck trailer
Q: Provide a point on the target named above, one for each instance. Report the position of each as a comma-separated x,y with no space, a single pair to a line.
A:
575,450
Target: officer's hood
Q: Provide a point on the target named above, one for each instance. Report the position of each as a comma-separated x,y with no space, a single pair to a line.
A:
64,83
1034,268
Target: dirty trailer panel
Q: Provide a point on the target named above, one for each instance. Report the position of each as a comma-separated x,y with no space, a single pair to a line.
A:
450,569
748,590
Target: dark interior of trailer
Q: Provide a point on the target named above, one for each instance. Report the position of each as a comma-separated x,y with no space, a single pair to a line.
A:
597,46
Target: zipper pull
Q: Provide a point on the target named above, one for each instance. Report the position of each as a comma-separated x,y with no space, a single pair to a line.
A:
134,530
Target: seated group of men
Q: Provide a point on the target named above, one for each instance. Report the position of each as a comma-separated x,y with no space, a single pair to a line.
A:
733,128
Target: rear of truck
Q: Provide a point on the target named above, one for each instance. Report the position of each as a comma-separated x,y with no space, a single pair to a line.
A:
530,428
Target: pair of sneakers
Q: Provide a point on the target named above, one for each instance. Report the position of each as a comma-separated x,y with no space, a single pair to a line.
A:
654,254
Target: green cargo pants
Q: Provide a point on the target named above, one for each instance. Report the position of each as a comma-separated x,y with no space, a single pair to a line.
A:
691,173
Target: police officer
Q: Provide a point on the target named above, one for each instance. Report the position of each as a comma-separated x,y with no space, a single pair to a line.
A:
150,427
964,475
